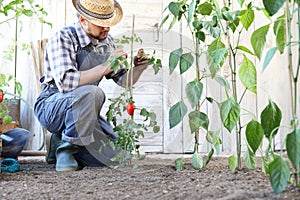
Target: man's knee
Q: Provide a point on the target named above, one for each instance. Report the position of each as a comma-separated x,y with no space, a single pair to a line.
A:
93,93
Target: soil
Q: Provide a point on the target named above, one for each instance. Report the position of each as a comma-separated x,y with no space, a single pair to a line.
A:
155,178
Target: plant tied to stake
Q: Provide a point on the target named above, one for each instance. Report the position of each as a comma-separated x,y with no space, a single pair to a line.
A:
129,130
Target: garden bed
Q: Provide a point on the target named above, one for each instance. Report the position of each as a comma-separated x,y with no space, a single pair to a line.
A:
155,178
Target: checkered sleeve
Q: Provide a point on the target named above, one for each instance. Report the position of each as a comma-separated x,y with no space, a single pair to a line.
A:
61,61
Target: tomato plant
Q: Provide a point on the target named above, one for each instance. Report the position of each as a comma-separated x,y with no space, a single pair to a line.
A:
128,129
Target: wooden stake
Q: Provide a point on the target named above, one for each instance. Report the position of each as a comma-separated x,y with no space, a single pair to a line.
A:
132,58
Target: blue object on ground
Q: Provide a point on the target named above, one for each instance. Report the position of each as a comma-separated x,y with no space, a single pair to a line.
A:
10,165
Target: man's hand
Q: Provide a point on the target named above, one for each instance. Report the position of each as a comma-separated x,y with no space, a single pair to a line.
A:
141,58
118,52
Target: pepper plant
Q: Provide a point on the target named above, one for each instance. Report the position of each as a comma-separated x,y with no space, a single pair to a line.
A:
216,25
207,19
185,58
278,168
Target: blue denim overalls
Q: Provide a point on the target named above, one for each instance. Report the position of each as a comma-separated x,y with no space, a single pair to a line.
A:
76,114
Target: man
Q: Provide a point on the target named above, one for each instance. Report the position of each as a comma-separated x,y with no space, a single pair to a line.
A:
69,105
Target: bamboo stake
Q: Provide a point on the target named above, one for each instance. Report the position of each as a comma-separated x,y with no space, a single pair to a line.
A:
132,58
35,66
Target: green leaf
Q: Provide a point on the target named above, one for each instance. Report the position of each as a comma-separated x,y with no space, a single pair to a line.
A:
156,129
247,18
209,156
28,13
230,113
241,2
247,74
163,21
174,8
191,11
245,49
265,165
193,91
273,6
200,35
222,81
205,9
172,23
216,54
198,119
233,25
250,159
157,66
270,119
212,29
179,165
174,59
293,147
176,113
279,174
197,161
213,137
270,54
279,30
186,61
258,40
232,162
254,135
217,146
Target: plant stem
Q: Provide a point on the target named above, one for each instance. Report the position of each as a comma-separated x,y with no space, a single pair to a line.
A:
293,77
198,78
238,126
233,68
290,67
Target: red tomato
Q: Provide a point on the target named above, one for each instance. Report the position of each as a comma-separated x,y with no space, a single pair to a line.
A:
1,96
130,108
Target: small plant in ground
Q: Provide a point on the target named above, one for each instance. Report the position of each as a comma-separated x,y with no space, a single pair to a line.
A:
122,109
128,129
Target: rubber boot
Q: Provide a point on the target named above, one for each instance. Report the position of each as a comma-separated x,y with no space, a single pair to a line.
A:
65,160
53,140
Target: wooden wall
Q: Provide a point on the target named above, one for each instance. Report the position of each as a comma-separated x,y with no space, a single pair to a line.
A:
156,92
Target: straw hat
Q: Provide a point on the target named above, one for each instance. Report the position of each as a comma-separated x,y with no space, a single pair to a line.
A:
104,13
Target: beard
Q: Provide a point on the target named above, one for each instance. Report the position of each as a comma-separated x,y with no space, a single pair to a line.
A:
102,35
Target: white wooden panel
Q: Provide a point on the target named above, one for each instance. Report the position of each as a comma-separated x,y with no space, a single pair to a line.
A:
158,92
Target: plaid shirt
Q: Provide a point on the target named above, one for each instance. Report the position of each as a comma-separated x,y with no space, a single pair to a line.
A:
60,57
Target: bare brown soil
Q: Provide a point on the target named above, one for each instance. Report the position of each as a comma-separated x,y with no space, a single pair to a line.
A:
155,178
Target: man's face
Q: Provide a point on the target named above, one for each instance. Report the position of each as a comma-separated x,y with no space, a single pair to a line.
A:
94,31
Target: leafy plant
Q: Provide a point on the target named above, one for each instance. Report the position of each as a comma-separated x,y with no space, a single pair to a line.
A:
184,59
13,9
278,168
216,25
127,128
10,11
